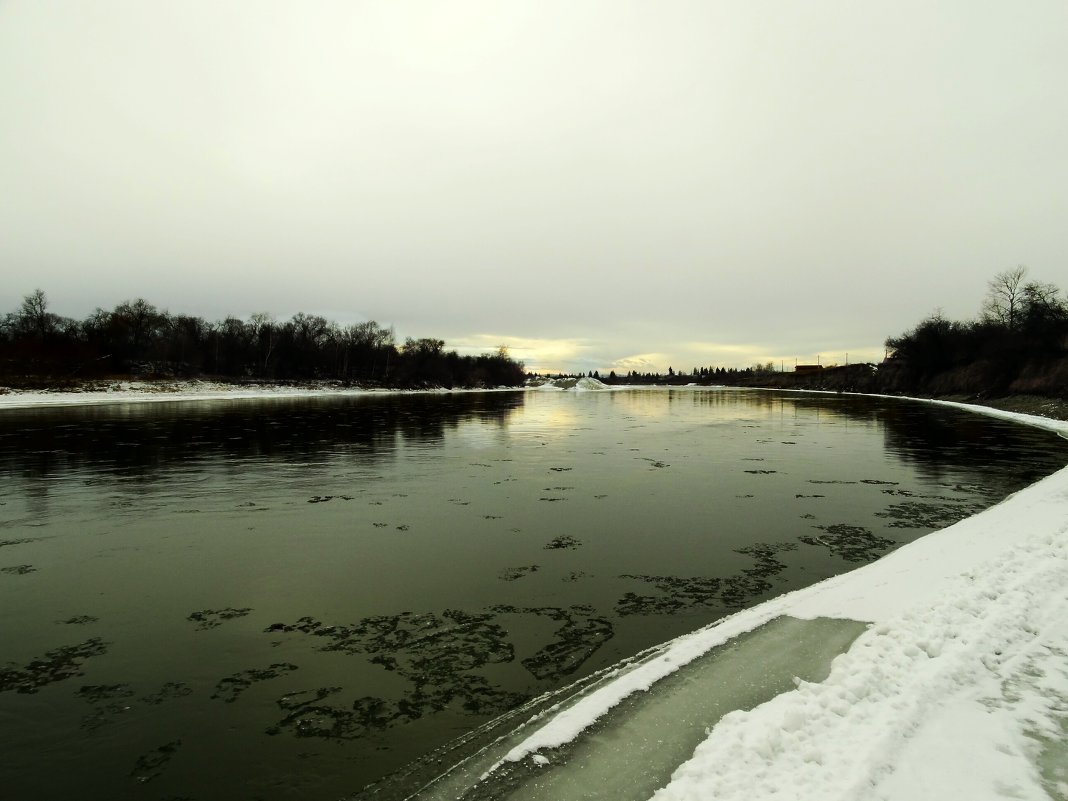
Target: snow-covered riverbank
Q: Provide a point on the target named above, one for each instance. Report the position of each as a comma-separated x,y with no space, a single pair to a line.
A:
160,392
959,690
176,391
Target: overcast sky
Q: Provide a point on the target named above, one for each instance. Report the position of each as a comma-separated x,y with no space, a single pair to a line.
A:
597,183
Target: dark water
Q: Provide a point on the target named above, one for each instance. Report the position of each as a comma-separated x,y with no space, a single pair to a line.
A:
293,598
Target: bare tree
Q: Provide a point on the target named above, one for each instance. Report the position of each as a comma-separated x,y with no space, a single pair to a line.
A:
1042,298
263,325
1044,312
141,321
33,316
1005,297
310,329
424,347
371,334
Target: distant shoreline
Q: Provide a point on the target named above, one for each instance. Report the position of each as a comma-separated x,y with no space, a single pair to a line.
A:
92,392
96,393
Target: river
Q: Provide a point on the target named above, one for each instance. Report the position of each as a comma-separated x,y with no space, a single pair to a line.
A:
294,598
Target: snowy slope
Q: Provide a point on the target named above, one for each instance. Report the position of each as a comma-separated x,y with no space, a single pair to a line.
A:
950,694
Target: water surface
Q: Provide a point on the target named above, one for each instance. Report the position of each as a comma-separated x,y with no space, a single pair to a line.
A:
293,598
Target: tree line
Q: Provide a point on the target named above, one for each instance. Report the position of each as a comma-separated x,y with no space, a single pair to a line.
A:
1016,345
138,338
698,375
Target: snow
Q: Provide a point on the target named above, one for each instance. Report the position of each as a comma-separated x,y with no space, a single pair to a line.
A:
585,384
156,392
958,689
947,695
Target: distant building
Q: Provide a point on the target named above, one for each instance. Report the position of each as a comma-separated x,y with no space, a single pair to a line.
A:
808,368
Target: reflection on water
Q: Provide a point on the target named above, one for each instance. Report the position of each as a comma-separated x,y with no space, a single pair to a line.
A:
138,440
293,598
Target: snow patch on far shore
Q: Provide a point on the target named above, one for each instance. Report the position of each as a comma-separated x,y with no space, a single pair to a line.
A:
158,392
584,384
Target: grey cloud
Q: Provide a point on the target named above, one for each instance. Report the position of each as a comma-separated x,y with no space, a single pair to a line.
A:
772,177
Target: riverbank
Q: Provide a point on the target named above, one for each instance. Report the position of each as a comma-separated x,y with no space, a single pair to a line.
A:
98,392
1037,405
959,689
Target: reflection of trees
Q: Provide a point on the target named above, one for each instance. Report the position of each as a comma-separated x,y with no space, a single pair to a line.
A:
730,403
932,438
936,439
139,440
743,403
